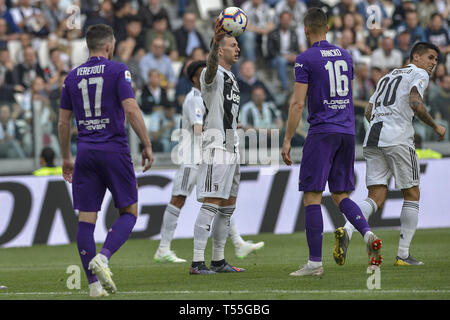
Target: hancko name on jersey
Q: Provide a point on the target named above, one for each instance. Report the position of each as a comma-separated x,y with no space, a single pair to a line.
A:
331,53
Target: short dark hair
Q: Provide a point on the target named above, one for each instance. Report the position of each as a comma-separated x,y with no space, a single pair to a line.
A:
316,20
98,35
160,16
436,14
409,11
193,67
133,18
421,48
48,155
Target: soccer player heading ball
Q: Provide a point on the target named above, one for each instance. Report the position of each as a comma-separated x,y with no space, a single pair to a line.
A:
99,94
323,73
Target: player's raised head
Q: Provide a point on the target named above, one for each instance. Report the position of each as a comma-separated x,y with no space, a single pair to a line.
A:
316,21
424,55
100,38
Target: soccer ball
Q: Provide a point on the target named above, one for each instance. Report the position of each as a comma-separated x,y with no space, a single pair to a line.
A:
233,21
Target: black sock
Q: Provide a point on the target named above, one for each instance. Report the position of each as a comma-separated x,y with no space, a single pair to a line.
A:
218,263
196,263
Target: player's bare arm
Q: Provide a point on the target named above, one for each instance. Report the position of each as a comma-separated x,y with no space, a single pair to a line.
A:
368,113
198,129
134,115
213,59
64,129
295,114
416,103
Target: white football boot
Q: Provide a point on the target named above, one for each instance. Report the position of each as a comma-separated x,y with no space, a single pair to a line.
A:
96,290
307,270
244,249
167,256
99,266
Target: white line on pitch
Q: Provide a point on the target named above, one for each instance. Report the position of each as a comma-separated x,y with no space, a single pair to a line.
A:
350,291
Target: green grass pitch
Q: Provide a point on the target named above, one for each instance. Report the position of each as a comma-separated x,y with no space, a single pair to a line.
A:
39,272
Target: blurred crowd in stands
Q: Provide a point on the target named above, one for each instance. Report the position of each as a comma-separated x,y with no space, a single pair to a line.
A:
41,41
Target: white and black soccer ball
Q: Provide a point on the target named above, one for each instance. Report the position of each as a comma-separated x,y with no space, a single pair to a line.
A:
233,20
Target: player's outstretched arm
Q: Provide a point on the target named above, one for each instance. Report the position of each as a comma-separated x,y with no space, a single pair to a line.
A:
416,103
295,114
213,59
64,124
134,115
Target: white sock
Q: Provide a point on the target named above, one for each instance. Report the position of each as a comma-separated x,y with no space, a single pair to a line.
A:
168,227
234,234
201,229
368,207
219,232
409,219
367,235
314,264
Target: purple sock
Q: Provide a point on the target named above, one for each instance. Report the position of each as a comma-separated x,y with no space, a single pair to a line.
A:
118,234
314,230
86,247
354,215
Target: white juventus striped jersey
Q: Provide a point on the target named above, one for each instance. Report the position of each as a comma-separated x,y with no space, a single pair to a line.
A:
193,110
391,120
192,113
221,99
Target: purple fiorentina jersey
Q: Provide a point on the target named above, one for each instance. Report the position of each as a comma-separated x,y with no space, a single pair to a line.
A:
94,91
328,71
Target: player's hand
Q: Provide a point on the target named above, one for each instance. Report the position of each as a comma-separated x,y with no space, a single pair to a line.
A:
219,32
440,130
286,152
147,156
67,169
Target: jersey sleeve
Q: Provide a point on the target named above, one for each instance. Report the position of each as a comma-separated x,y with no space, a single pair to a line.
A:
208,87
301,69
196,111
124,88
65,101
420,81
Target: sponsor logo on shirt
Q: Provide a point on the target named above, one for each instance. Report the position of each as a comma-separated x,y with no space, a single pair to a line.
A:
337,103
299,65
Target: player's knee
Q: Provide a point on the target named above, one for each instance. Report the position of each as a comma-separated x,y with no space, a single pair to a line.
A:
132,209
411,194
311,198
89,217
178,201
338,197
380,203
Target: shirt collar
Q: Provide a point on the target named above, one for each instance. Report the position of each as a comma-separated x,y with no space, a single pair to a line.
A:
320,43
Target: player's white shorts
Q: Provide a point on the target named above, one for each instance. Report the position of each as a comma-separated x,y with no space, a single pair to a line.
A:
384,162
218,175
185,180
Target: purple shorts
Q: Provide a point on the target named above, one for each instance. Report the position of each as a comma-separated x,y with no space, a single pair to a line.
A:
95,171
328,157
